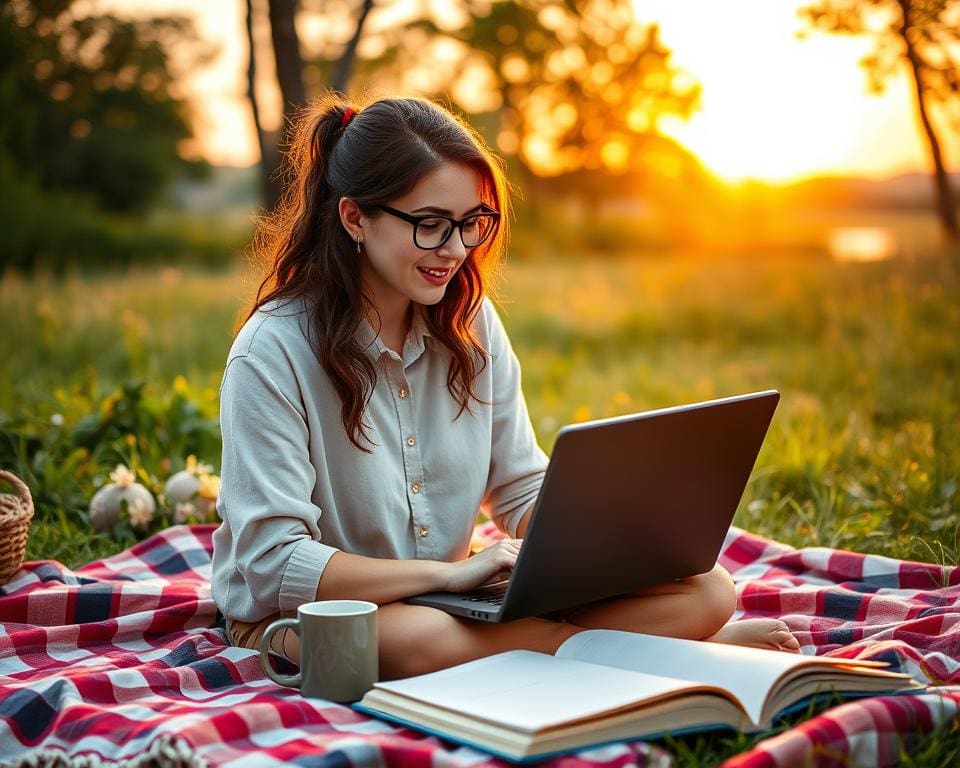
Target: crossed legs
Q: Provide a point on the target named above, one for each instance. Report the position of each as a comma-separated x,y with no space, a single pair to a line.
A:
417,639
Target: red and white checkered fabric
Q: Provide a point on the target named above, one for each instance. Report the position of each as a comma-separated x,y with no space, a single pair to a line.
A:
125,662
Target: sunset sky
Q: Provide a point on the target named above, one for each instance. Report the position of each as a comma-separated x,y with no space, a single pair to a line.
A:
774,107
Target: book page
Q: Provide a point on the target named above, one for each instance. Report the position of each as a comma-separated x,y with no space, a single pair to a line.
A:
748,673
528,691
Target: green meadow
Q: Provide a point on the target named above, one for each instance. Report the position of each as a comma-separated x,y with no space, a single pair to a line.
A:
863,452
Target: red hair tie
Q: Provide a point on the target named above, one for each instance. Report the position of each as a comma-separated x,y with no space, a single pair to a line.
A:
348,113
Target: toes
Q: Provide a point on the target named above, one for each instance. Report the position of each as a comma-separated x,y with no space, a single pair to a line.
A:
785,640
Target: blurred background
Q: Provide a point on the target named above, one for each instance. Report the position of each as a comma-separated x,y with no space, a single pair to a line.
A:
712,198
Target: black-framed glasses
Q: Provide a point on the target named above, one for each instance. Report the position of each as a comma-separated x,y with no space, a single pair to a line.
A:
433,230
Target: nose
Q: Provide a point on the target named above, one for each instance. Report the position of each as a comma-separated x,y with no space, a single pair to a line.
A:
454,247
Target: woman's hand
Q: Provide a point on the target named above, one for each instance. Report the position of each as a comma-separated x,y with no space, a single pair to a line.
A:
491,564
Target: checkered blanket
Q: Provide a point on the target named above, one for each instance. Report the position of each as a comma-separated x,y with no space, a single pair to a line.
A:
125,662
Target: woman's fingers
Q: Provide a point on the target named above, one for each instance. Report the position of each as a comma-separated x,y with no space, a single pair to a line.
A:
494,563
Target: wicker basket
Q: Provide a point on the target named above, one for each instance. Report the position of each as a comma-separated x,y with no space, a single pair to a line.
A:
16,511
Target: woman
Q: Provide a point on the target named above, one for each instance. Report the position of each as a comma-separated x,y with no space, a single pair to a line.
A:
371,404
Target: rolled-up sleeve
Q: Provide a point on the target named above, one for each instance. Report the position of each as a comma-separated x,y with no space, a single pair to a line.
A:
517,463
267,483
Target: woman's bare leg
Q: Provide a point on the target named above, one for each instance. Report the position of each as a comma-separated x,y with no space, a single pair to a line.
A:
696,608
693,608
415,639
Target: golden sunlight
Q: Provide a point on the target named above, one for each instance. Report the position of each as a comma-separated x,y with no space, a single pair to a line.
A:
861,244
774,107
779,108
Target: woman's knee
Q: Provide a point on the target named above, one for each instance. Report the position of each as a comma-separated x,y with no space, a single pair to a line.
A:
413,639
715,594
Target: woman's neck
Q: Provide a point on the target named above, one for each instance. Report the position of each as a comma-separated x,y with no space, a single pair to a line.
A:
394,324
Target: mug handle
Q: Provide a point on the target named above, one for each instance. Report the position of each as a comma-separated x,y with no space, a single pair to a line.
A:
292,681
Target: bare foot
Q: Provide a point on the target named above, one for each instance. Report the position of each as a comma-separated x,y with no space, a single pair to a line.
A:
771,634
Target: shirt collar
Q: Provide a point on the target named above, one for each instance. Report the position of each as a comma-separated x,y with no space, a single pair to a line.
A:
414,345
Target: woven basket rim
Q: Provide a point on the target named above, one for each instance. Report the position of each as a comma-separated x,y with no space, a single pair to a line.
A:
22,494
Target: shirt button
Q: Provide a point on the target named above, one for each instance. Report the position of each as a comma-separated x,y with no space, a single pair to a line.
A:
424,531
411,441
415,487
403,393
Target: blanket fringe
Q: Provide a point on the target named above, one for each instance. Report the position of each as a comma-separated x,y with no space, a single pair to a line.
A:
164,752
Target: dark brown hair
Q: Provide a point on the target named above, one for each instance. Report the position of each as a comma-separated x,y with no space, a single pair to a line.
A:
374,157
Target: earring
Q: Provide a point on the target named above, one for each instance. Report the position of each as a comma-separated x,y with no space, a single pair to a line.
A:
358,243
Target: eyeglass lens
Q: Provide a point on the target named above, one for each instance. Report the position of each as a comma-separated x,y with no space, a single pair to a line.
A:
432,233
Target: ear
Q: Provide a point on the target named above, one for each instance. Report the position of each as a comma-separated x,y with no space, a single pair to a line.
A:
351,217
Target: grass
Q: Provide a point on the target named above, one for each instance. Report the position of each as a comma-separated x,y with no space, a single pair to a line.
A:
864,451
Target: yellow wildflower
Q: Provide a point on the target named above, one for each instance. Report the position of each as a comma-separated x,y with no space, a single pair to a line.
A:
209,486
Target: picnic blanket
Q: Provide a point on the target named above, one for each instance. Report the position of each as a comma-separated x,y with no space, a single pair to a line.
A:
125,662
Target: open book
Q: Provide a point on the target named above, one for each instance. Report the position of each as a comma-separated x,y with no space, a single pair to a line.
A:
604,685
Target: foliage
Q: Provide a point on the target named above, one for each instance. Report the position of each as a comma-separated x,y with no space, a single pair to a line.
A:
56,229
864,452
66,456
581,85
559,87
931,25
94,100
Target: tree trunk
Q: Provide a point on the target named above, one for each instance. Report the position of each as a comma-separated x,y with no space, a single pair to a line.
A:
345,65
946,208
269,156
286,51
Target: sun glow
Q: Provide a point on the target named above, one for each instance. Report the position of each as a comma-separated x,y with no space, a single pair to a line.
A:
779,108
774,107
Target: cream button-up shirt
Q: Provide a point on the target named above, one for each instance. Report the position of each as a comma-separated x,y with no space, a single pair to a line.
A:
294,490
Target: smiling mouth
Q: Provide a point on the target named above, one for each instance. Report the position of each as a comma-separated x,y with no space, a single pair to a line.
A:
438,273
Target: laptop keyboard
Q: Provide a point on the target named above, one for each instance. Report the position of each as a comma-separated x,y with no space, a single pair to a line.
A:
490,598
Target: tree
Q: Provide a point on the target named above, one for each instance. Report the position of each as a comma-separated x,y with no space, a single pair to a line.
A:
562,86
923,35
91,101
269,154
290,76
345,64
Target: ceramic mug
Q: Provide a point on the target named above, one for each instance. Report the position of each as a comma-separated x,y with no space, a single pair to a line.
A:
338,649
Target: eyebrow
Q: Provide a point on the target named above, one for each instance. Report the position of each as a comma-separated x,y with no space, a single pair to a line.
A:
445,211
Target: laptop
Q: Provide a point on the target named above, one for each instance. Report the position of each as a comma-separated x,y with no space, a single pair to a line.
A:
627,503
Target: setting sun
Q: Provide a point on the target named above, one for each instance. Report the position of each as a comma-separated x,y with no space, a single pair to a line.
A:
779,108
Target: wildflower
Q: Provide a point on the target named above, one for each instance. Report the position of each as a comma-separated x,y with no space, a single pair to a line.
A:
57,419
195,467
140,514
209,486
122,476
183,512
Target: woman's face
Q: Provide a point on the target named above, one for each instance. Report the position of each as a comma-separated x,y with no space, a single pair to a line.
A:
394,269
